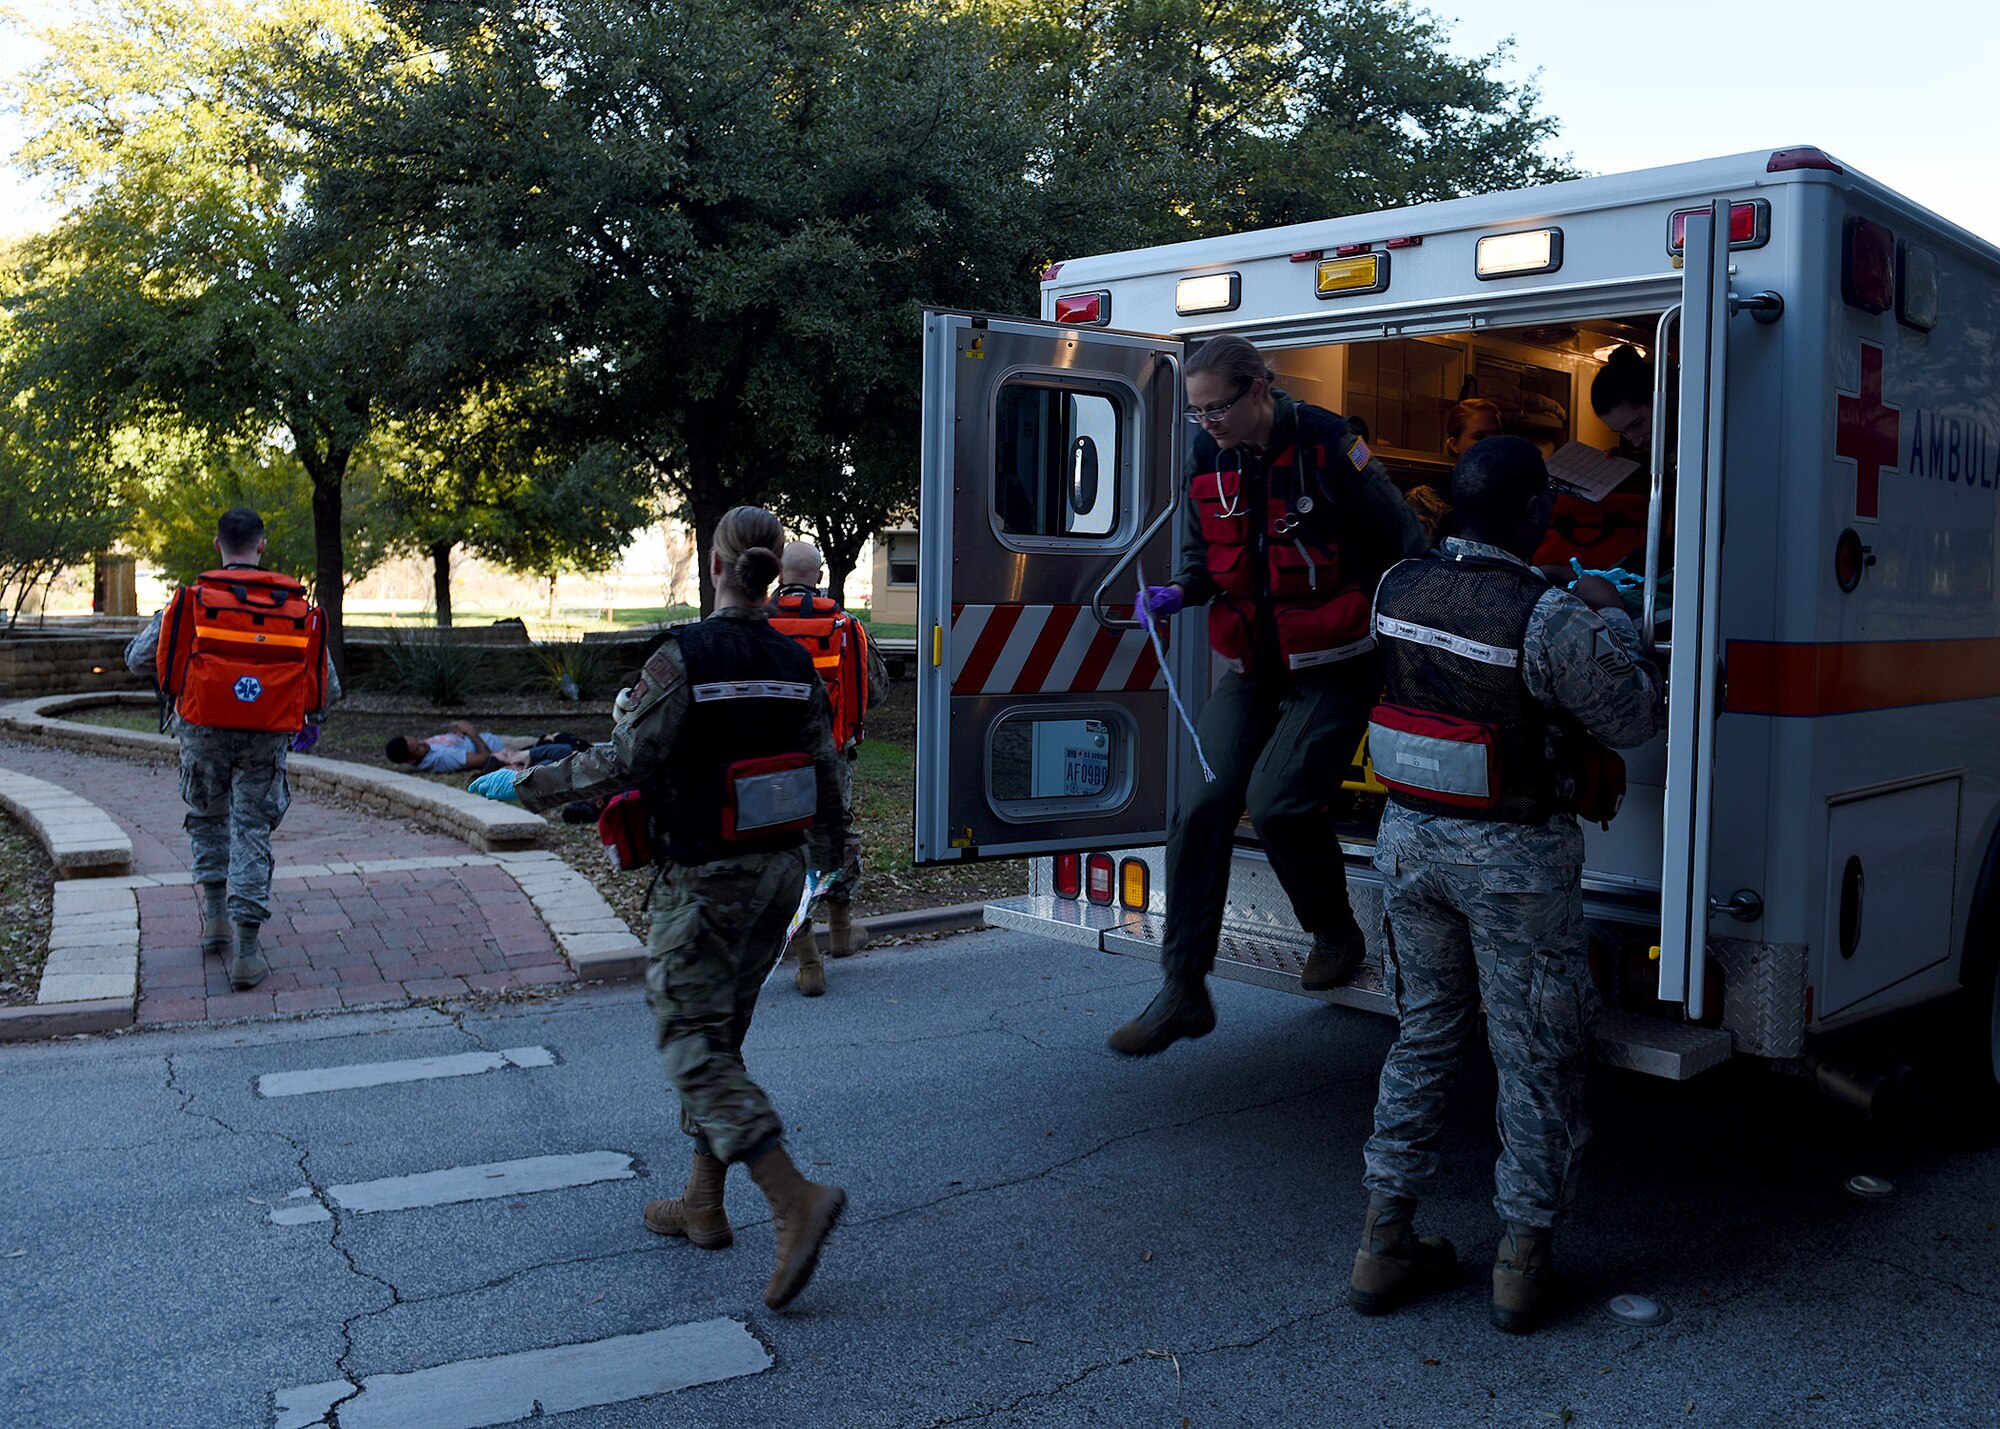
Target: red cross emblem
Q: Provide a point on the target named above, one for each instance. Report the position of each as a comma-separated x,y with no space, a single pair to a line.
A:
1870,433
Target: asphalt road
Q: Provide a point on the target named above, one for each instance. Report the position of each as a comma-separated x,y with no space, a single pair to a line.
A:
1039,1233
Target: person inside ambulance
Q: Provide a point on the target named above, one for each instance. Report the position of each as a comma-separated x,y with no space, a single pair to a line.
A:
727,735
1289,522
1503,697
1466,425
1607,534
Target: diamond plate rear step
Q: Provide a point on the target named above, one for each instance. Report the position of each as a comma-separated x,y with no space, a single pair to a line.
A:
1266,958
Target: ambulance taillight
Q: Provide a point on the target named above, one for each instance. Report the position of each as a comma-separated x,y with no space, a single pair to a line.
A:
1069,875
1133,881
1749,225
1098,879
1084,309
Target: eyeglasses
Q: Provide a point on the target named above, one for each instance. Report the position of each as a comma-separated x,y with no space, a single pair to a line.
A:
1208,416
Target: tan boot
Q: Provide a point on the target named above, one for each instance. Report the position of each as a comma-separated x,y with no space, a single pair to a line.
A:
698,1213
248,967
1393,1266
843,939
1523,1272
804,1213
215,934
811,976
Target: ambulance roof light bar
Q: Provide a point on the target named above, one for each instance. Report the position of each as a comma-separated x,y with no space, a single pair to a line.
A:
1085,309
1749,225
1511,255
1784,160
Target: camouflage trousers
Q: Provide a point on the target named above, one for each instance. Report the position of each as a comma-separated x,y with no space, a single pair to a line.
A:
850,848
1511,936
233,781
718,929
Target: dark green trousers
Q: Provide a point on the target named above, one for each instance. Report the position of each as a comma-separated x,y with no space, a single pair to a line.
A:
1280,749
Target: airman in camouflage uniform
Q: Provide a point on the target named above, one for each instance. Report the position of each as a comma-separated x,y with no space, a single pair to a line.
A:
233,782
1484,910
719,915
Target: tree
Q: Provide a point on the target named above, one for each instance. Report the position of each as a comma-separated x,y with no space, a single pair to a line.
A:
181,493
715,220
189,277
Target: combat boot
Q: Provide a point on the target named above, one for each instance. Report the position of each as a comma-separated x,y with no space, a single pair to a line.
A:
1334,960
698,1213
811,976
803,1212
1180,1009
1393,1266
215,921
248,967
1523,1272
843,939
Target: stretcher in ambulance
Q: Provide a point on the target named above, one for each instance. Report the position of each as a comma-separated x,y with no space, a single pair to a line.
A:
1813,842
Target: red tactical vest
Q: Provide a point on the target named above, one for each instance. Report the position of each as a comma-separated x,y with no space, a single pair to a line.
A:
1598,533
1258,547
839,649
243,649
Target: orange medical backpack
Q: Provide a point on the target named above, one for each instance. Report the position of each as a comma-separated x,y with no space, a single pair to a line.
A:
839,649
243,649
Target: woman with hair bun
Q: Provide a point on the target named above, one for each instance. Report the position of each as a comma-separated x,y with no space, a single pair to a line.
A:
728,738
1289,522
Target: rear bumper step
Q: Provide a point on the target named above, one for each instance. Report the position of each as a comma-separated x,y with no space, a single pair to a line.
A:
1273,958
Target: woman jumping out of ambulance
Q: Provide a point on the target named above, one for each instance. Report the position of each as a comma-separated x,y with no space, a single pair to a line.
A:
1612,532
1287,524
727,735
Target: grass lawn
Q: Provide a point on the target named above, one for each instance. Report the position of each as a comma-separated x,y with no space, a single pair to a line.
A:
884,794
27,902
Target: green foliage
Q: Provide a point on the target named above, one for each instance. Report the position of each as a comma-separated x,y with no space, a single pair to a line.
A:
174,519
575,669
429,666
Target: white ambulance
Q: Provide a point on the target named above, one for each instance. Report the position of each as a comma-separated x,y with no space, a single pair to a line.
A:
1813,841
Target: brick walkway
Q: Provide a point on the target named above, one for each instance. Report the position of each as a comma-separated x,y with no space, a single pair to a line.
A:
357,916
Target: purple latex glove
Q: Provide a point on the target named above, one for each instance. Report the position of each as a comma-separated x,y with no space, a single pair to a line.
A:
1162,602
305,739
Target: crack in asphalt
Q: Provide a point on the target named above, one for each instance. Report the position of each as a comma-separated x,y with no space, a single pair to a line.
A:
1106,1144
1934,1277
301,1159
1174,1357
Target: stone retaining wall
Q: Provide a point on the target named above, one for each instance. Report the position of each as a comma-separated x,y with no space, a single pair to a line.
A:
484,824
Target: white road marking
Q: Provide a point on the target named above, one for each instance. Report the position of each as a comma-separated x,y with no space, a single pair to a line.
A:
417,1069
503,1389
456,1184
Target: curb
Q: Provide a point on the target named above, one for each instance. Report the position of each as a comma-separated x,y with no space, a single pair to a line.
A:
627,962
81,840
42,1020
488,826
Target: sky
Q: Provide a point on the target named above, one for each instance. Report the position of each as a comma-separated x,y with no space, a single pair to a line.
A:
1901,91
1895,90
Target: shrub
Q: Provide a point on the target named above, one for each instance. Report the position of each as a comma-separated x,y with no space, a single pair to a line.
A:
431,667
573,669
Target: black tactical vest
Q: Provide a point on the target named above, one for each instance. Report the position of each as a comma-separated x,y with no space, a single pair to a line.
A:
1486,602
749,692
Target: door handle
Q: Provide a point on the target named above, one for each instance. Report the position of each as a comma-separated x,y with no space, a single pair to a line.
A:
1744,905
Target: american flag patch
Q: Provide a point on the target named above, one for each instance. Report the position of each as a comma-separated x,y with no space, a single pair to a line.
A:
1359,454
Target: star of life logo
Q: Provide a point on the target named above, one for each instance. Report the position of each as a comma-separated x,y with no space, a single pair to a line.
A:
248,689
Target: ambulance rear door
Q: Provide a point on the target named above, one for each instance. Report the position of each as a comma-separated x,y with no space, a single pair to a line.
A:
1694,674
1050,463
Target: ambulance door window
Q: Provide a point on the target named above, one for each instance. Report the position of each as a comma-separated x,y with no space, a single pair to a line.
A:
1050,762
1057,456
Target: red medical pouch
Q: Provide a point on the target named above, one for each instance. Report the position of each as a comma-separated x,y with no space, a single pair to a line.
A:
622,826
1436,757
765,797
